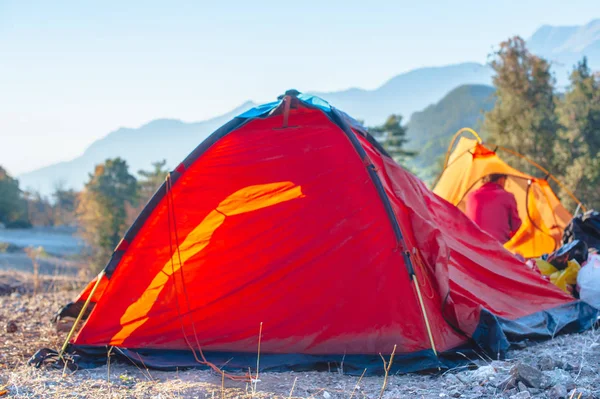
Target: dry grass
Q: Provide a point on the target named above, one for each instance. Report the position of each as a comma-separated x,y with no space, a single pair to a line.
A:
32,314
26,283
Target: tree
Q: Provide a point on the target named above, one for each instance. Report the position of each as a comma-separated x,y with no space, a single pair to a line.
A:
13,207
393,137
65,203
580,149
523,118
39,210
102,207
149,182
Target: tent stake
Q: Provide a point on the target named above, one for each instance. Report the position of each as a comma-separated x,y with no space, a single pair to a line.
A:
80,316
416,282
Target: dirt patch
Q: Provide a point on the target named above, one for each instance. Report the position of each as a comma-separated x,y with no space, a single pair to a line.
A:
29,318
25,283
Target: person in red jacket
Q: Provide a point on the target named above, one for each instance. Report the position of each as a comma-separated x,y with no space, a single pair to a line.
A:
494,209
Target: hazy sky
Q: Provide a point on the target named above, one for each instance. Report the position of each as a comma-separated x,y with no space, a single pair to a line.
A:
72,71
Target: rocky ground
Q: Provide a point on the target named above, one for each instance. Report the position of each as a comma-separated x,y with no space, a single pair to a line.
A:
565,367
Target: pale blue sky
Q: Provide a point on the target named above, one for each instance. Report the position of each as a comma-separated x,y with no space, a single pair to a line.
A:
71,71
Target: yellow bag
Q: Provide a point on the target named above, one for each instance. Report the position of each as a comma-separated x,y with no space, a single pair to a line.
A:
545,267
568,276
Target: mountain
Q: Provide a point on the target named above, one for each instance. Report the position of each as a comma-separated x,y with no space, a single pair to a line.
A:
408,92
431,130
461,88
168,139
564,46
173,139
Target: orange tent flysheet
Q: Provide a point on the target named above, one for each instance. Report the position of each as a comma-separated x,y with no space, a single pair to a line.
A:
544,217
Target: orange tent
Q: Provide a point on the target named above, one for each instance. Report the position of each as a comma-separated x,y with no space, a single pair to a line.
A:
544,217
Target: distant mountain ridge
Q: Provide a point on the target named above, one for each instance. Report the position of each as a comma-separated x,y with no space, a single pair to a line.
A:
173,139
408,92
405,94
159,139
564,46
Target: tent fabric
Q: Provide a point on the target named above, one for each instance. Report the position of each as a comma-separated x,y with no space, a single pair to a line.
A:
292,216
543,216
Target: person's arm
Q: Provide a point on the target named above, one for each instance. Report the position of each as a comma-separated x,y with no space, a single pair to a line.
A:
515,220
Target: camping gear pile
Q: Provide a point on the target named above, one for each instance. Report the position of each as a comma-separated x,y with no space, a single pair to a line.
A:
575,267
291,230
561,267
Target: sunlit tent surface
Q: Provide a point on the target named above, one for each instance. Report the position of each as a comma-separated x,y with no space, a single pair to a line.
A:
291,215
543,216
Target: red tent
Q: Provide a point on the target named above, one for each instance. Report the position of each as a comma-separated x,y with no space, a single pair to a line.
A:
292,216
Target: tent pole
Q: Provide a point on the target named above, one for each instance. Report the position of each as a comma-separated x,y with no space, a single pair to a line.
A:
418,289
80,316
461,131
550,175
449,151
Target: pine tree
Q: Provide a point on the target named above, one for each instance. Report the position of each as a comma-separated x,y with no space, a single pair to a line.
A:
580,141
523,118
148,183
151,180
393,136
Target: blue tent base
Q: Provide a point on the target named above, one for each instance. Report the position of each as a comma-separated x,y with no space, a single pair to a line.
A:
171,360
493,337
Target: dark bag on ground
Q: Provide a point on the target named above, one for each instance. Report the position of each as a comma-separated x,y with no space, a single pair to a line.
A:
584,228
560,258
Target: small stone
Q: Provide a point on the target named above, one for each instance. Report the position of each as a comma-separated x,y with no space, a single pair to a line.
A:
451,379
483,373
500,364
522,387
558,377
546,363
530,376
507,383
521,395
15,295
455,393
557,392
570,366
11,327
326,395
595,345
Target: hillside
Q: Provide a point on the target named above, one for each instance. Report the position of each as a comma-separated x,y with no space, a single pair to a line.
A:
408,92
174,139
168,139
430,130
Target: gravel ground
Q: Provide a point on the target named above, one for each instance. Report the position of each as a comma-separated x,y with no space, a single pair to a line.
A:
564,367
